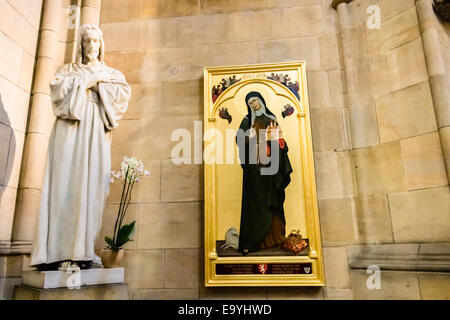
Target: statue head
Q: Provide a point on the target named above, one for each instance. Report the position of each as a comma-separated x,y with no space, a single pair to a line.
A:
90,44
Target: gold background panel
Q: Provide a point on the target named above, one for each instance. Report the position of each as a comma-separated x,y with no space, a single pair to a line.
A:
229,176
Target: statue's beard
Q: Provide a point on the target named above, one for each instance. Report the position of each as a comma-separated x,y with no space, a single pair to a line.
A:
91,56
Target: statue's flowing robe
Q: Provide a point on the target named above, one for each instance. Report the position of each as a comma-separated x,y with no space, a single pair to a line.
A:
77,176
262,211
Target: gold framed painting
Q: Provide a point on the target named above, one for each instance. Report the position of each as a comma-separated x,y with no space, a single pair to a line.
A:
261,216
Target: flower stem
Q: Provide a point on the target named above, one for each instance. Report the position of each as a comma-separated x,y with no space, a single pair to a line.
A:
123,203
127,203
120,207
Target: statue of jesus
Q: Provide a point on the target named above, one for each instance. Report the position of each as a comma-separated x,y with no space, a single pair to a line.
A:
88,99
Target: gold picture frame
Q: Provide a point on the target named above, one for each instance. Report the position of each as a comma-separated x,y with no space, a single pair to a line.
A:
284,87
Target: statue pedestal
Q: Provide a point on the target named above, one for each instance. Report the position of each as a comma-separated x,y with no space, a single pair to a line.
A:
62,279
100,292
98,284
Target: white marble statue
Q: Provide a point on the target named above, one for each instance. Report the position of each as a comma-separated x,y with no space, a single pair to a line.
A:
88,100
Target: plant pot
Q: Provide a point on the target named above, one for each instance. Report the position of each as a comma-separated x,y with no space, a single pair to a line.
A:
112,258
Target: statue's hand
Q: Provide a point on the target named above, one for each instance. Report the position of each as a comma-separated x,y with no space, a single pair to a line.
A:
95,78
109,79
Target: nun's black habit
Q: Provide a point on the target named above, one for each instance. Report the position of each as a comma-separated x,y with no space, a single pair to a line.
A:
262,213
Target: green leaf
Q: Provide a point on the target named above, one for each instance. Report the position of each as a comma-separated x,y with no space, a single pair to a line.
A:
133,229
124,234
109,241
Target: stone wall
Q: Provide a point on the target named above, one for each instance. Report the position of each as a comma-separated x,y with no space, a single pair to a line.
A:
162,47
397,116
19,26
18,49
380,118
381,174
397,152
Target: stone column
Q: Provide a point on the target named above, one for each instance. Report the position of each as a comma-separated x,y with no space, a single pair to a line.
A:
39,125
363,125
431,29
90,12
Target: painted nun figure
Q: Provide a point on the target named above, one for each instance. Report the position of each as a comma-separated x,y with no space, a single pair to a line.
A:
262,214
88,99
